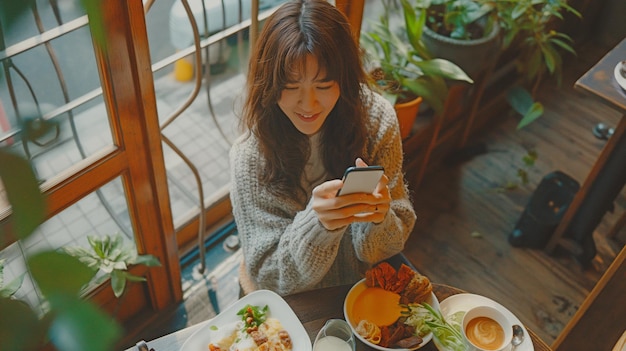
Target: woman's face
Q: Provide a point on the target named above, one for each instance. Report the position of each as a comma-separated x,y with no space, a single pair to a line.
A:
308,100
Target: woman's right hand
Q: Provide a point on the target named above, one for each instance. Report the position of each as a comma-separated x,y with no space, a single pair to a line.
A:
335,211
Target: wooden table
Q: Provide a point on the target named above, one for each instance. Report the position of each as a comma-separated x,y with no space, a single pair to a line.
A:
313,308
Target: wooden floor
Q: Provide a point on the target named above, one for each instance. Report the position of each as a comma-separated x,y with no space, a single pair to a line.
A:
460,237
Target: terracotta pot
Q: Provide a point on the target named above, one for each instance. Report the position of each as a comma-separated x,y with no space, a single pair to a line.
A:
407,112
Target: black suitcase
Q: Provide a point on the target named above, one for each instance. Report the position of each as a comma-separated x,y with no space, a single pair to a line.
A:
544,211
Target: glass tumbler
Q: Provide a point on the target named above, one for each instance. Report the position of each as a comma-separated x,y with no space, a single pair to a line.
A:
335,335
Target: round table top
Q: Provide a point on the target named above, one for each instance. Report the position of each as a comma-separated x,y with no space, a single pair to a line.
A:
315,307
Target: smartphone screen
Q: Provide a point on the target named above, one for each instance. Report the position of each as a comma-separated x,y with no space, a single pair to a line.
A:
361,180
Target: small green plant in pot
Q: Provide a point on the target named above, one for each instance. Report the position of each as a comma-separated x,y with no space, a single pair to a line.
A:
465,32
401,66
109,256
460,19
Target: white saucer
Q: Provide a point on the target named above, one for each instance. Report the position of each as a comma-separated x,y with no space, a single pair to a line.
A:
618,77
463,302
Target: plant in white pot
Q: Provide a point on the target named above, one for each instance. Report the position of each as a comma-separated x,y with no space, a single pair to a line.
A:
400,64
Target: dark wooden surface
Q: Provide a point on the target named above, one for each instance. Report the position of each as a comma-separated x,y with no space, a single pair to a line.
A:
608,172
314,308
600,321
599,81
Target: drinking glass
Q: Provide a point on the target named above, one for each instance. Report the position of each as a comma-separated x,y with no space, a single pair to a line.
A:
335,335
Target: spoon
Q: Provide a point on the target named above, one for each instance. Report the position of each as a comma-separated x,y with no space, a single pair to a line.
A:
518,336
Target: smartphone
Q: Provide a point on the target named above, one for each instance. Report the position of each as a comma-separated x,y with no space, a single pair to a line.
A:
361,180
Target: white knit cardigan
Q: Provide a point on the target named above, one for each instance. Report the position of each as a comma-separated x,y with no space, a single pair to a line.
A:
285,247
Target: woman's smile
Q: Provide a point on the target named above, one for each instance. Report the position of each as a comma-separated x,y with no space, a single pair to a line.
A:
308,117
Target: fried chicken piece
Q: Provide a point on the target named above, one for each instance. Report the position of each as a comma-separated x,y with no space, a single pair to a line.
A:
382,275
259,337
270,347
410,285
285,339
417,291
403,277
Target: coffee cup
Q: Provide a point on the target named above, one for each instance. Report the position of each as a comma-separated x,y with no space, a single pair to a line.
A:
487,329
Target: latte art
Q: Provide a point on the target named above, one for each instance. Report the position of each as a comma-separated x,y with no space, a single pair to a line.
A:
485,333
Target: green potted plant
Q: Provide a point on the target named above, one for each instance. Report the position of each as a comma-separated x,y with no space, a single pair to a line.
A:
465,32
110,256
402,67
527,27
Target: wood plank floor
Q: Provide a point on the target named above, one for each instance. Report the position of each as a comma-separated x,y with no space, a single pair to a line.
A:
460,238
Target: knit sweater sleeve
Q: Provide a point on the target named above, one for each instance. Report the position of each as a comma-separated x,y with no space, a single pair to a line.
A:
376,242
285,247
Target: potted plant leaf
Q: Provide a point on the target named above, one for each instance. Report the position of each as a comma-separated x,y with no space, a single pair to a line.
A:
530,28
401,66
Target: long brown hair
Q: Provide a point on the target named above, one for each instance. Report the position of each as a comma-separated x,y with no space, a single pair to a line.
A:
297,29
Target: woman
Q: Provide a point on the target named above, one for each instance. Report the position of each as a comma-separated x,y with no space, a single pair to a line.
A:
309,115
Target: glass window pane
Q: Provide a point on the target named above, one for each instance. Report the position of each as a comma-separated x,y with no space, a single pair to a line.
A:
57,79
25,26
207,125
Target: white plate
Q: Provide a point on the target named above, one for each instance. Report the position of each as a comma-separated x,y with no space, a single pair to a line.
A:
463,302
277,308
618,77
349,302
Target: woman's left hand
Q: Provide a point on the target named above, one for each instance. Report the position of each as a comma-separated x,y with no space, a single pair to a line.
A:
338,211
